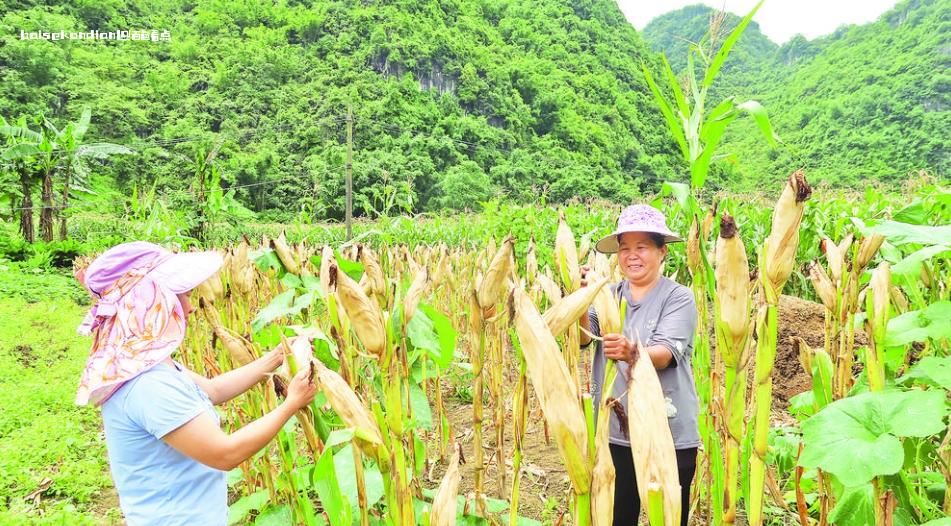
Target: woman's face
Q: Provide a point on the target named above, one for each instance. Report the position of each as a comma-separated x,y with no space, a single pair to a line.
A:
639,258
187,308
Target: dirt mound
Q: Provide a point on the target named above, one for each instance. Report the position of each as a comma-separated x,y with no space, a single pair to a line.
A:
804,319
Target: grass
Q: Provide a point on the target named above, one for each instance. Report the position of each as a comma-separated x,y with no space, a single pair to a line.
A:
43,435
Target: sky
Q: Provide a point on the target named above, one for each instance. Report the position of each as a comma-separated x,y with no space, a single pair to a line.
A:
779,20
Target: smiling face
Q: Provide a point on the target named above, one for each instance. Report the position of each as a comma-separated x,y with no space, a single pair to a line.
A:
639,257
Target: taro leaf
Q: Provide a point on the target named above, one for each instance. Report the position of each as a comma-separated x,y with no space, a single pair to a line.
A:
932,370
857,438
240,508
281,305
332,498
919,325
432,331
346,477
354,269
902,233
421,410
265,259
445,332
910,265
275,516
803,405
291,281
914,213
855,507
312,284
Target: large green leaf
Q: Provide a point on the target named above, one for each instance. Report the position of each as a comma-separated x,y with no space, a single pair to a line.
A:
240,508
275,516
903,233
347,478
673,124
910,265
432,331
855,507
281,305
332,499
919,325
933,370
857,438
422,413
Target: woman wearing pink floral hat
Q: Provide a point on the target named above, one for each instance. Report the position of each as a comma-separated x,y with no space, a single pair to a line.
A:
664,315
167,453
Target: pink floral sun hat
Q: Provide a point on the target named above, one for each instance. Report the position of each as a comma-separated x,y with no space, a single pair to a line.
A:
637,218
137,320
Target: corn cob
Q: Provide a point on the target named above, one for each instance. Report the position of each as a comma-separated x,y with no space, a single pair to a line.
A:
566,255
556,390
493,284
415,294
364,314
567,311
444,503
285,254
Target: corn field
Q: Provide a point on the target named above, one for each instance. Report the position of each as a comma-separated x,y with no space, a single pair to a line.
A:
405,338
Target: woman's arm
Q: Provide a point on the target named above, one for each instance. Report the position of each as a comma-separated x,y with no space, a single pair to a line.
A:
228,385
201,438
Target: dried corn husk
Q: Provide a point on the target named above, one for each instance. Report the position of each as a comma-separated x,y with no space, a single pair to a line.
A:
285,254
607,305
349,408
566,255
732,272
373,272
603,475
493,284
823,285
552,290
835,258
531,262
867,249
240,349
652,445
364,314
693,248
242,270
415,294
444,503
566,312
556,390
783,237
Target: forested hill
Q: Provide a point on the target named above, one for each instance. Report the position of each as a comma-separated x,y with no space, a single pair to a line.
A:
453,101
869,102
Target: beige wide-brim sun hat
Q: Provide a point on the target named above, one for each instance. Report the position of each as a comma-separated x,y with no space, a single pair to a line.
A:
637,218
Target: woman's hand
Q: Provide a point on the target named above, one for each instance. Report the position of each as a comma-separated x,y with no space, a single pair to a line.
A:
617,347
273,359
584,274
301,391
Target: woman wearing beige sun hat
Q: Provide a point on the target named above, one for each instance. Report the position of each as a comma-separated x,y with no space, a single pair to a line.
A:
664,315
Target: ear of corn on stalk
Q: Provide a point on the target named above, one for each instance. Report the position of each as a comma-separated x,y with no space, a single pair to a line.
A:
602,475
373,272
823,285
567,311
444,503
652,445
556,390
566,255
834,257
349,408
732,286
783,237
285,254
415,294
494,283
867,249
364,314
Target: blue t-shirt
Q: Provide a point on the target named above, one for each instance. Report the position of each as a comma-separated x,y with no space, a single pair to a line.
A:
157,485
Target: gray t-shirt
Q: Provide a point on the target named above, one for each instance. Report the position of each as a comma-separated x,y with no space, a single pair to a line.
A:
666,315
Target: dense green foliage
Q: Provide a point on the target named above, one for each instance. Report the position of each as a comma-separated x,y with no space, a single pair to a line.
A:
452,101
869,102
